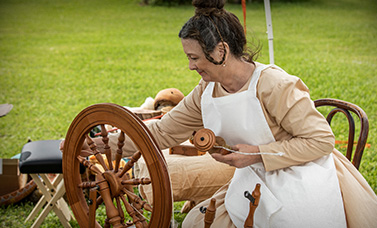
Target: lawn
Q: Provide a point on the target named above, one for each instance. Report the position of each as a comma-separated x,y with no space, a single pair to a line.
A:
58,57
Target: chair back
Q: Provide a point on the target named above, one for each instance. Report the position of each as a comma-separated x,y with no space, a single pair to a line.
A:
345,108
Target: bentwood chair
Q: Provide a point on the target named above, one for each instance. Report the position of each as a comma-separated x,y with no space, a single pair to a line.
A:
347,108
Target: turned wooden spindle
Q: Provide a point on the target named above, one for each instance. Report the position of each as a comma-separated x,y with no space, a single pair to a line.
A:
210,214
130,163
89,165
111,210
254,201
107,224
120,211
205,140
134,198
96,152
132,212
119,153
105,140
137,181
88,184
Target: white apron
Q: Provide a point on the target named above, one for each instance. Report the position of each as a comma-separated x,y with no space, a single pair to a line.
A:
307,195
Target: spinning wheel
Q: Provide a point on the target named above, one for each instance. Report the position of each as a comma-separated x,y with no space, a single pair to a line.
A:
112,186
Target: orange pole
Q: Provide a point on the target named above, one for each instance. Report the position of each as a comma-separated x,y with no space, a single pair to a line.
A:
244,14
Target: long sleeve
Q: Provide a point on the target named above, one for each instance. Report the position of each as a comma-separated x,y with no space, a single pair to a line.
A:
178,125
300,131
173,128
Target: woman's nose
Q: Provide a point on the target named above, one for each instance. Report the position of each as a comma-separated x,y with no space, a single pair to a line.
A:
192,66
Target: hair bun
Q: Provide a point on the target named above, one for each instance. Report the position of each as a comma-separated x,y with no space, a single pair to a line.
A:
202,4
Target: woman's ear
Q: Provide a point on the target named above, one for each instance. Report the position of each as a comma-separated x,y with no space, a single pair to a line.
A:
223,49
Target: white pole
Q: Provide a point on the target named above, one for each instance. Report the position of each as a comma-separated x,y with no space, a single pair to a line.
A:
270,35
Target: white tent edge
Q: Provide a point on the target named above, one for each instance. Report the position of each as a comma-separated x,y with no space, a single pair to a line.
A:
270,35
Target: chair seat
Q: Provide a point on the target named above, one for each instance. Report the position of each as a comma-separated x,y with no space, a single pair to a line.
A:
41,157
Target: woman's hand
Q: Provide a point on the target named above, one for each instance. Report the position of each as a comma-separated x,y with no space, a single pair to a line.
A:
85,150
240,160
61,145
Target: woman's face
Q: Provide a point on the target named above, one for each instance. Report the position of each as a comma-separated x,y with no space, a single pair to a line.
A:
197,60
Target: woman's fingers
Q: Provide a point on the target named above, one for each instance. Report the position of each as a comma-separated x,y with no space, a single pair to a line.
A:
239,160
61,145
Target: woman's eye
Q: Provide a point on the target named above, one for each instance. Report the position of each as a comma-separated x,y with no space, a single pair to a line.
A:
191,58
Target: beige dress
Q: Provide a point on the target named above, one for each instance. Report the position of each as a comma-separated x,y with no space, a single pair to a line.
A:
285,100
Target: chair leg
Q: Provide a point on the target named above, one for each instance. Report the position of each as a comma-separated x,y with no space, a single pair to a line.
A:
61,202
64,207
55,204
54,199
42,201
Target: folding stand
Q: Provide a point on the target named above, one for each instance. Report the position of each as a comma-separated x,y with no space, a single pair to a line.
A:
38,159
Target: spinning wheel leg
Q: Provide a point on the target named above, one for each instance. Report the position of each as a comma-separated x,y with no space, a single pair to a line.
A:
254,202
112,185
92,206
210,214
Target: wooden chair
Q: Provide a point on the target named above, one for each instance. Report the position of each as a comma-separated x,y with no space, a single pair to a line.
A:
346,108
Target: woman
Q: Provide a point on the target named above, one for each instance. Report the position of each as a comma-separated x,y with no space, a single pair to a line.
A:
261,110
268,114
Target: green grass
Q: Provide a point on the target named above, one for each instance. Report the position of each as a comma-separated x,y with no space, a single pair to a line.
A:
58,57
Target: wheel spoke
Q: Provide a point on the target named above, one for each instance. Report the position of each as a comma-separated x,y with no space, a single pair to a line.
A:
107,223
137,181
88,184
105,140
86,153
120,211
96,152
137,200
119,150
99,201
89,165
130,211
135,157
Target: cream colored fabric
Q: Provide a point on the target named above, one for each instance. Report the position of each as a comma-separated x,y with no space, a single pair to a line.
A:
359,199
195,218
193,178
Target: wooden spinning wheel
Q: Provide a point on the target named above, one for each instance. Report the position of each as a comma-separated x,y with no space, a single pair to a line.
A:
112,186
